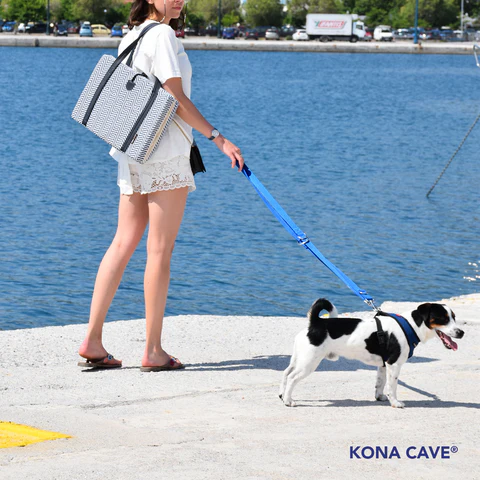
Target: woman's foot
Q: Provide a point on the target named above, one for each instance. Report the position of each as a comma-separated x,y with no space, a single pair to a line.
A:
160,360
95,353
103,362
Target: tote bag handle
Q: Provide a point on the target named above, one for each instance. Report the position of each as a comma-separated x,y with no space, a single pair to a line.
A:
114,66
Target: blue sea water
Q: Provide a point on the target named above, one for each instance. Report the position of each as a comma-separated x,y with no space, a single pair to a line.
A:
348,144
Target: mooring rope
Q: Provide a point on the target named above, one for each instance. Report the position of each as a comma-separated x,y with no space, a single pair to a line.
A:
453,156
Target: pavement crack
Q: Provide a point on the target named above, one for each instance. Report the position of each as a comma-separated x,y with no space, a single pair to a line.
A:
122,403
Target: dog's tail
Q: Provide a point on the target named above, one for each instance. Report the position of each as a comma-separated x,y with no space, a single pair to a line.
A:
320,305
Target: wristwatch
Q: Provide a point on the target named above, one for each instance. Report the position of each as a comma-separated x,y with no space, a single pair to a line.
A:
215,133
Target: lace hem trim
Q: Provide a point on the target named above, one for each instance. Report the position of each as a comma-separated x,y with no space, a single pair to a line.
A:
191,188
149,178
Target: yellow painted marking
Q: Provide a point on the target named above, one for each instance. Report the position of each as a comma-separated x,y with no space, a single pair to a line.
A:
14,435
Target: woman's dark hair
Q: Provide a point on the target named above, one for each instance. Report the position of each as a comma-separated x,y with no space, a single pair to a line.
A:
141,10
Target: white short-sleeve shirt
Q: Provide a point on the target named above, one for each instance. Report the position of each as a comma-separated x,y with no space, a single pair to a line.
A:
161,54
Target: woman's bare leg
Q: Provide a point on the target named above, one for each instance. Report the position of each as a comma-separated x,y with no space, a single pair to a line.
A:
165,216
132,220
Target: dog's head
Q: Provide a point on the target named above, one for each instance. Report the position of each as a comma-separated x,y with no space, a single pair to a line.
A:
439,319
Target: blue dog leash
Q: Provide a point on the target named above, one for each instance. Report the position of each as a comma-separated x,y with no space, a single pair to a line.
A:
301,237
291,227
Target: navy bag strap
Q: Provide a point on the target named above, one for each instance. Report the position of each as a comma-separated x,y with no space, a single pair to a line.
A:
113,67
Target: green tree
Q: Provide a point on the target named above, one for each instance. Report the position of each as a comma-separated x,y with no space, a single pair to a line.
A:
297,12
195,21
231,18
26,10
208,9
431,13
325,6
94,10
264,12
378,12
118,13
64,10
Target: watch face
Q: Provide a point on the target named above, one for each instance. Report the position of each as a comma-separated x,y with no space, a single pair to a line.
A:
215,133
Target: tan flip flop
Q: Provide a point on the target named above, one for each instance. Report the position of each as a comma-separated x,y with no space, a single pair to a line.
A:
173,364
103,362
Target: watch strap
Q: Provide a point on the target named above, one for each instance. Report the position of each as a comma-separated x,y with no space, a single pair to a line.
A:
213,137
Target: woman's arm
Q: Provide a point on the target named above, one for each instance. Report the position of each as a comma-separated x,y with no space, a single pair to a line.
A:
188,112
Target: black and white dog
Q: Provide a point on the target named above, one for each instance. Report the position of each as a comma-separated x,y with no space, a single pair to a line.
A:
330,337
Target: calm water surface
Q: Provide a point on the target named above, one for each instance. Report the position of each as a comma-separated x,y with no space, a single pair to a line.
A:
348,144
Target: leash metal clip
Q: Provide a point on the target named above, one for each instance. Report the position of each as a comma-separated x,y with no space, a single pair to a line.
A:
303,240
371,304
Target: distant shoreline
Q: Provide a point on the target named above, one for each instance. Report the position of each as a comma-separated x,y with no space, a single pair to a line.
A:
212,43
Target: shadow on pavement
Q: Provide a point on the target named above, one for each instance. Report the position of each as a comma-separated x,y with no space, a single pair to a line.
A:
280,362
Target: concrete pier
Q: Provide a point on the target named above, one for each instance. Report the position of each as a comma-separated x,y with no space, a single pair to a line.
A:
239,44
221,419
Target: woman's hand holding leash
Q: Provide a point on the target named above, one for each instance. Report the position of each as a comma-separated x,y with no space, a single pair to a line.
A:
230,150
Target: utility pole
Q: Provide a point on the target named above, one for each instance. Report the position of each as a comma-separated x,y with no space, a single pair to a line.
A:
415,35
219,28
461,20
48,17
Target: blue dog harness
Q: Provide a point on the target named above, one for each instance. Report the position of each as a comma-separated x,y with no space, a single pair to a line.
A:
410,334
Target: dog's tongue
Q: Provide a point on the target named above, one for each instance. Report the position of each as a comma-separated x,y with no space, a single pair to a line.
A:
448,341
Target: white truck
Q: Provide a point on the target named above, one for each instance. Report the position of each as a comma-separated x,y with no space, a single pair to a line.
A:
329,26
383,33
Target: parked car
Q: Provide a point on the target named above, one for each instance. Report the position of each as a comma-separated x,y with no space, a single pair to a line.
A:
446,34
116,30
36,28
251,34
431,34
261,31
180,33
86,30
383,33
241,30
210,30
287,31
100,30
402,33
300,35
73,27
420,31
228,33
61,30
21,28
368,35
272,34
2,23
190,31
9,26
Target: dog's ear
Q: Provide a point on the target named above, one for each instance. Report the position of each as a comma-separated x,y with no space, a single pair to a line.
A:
422,314
439,314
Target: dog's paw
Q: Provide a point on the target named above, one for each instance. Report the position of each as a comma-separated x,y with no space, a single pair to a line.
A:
290,403
381,398
397,404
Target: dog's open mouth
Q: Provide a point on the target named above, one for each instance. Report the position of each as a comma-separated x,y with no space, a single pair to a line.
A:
447,341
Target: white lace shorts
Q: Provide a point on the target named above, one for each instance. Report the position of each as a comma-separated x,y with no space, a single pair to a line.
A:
154,177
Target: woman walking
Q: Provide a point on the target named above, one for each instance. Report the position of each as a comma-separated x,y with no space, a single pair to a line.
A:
153,193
